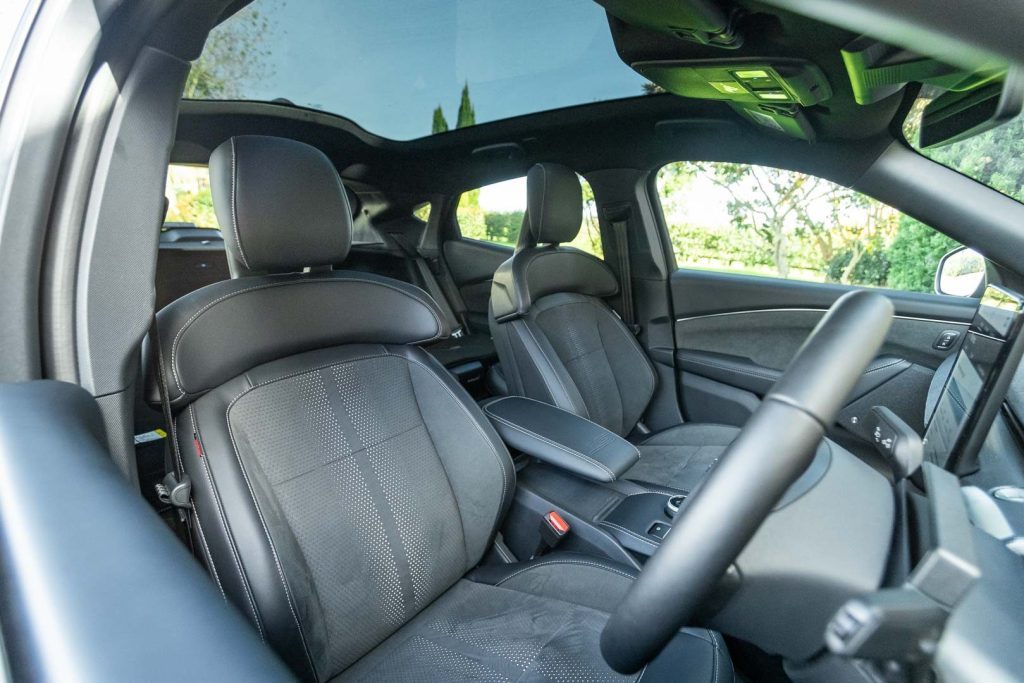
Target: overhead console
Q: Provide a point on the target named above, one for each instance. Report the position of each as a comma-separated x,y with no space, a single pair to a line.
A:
769,92
776,81
769,84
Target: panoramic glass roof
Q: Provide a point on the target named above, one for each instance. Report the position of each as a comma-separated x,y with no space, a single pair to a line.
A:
404,69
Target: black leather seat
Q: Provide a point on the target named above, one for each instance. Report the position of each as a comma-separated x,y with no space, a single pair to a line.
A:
559,342
345,488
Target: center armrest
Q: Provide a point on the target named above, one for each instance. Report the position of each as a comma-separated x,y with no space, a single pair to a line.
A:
561,438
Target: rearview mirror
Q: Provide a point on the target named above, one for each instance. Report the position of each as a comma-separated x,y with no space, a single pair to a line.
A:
954,116
961,272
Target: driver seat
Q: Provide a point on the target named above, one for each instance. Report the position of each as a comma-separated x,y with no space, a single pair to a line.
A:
559,341
345,487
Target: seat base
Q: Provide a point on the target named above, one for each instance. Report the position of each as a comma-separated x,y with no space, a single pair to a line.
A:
680,457
532,621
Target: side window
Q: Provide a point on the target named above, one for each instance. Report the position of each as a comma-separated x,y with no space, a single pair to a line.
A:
422,211
494,213
757,220
189,202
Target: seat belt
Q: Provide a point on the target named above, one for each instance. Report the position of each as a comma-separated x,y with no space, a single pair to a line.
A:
176,487
432,285
618,217
450,288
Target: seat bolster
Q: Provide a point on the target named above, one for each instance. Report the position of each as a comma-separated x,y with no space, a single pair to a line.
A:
532,368
237,531
470,494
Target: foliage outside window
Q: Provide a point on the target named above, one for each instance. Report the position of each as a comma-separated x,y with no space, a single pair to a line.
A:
772,222
422,212
995,157
494,213
188,196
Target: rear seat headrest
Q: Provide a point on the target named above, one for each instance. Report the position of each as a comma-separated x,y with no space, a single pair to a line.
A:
280,203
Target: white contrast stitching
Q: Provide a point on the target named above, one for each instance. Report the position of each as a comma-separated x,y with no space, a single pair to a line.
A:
553,444
230,536
548,405
430,372
543,197
234,217
270,542
554,371
209,555
177,337
473,421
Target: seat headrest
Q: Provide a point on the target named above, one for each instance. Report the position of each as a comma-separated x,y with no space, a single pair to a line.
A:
280,203
554,204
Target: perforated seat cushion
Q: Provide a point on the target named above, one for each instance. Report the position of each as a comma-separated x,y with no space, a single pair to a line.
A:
521,629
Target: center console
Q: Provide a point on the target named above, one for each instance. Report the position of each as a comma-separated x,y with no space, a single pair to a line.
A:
576,468
827,540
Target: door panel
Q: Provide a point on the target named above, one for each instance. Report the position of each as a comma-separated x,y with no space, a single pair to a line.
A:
472,264
93,584
735,334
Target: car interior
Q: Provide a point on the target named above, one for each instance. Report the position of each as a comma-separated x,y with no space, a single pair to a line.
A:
687,350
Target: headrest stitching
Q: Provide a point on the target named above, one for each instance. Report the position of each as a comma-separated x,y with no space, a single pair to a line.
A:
205,308
543,204
234,216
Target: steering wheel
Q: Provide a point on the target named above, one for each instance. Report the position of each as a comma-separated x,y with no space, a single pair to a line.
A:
772,450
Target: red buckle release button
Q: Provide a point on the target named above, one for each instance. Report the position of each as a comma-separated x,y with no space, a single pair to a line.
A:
557,524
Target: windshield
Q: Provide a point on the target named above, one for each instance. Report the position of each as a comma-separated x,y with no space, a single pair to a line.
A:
405,70
995,157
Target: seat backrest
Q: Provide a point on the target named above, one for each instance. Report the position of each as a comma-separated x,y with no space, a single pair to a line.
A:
556,337
342,480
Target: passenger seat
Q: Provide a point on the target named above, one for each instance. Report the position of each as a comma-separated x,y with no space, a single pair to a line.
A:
559,341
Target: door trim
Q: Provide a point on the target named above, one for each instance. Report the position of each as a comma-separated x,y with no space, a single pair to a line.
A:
786,309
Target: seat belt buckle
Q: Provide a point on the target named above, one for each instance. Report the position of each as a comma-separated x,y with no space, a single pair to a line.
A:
175,492
553,529
458,333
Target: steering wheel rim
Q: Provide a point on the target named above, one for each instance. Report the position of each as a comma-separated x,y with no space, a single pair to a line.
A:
745,484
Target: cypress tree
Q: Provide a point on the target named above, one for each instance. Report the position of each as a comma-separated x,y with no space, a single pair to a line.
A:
440,124
467,116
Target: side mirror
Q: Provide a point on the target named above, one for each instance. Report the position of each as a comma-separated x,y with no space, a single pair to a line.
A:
961,272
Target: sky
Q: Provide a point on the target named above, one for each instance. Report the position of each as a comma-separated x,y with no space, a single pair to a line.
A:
387,64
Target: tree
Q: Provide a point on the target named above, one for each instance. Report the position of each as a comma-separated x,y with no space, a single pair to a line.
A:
440,124
235,53
766,202
467,115
914,255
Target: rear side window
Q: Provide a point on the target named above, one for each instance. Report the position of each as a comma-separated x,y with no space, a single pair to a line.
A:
494,213
770,222
189,202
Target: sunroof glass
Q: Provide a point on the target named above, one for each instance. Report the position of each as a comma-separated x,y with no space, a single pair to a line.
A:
406,69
